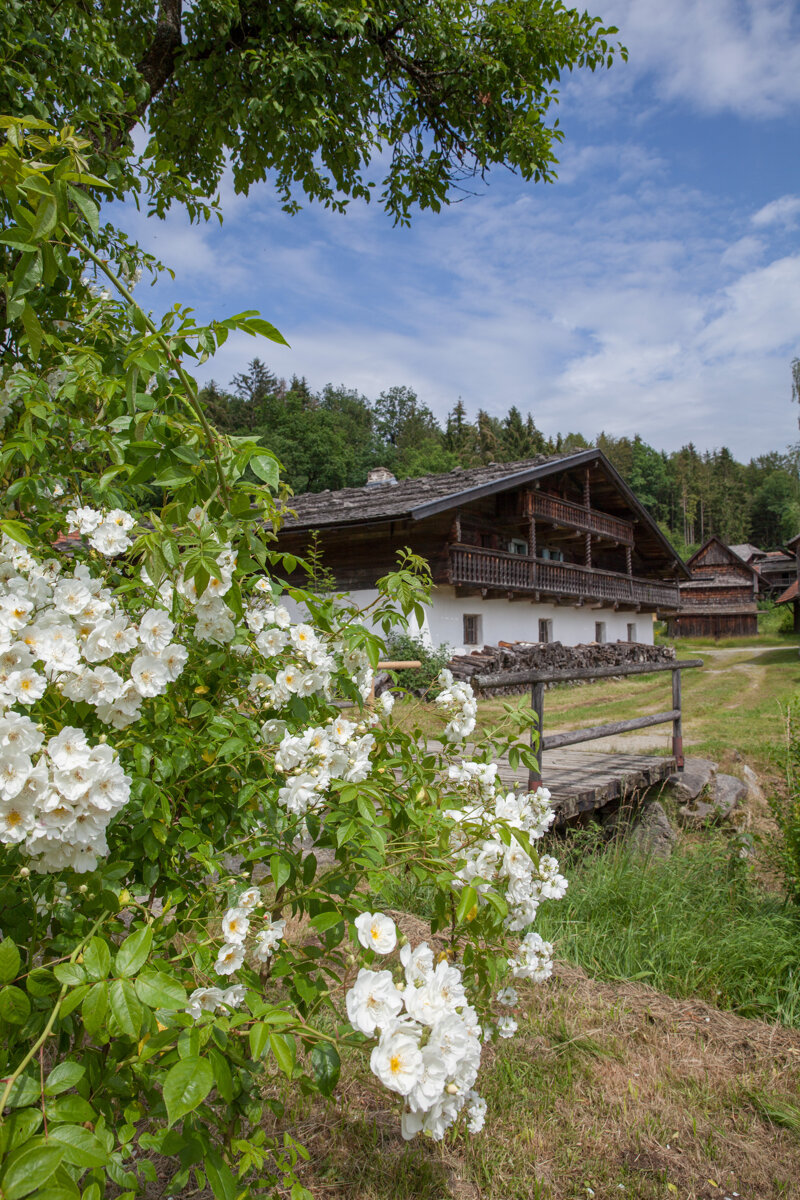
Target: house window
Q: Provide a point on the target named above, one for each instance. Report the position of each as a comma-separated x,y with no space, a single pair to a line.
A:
599,632
472,629
517,546
545,629
631,633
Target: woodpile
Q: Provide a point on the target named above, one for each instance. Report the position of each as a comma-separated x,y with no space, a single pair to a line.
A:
508,657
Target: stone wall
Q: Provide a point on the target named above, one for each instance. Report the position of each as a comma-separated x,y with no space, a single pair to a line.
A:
524,656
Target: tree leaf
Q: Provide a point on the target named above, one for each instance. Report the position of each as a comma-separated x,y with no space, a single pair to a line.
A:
326,1065
86,207
186,1085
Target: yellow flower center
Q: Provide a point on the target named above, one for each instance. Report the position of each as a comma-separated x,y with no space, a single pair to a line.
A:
395,1064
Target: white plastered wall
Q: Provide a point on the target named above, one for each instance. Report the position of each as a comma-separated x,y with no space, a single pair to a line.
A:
516,621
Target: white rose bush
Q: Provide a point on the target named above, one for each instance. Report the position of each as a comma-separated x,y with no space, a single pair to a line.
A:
199,810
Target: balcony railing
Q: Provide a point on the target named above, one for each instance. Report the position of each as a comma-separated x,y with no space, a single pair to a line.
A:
564,512
494,569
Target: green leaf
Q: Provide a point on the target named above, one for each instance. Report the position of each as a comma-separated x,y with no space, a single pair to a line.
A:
97,959
258,1038
17,532
279,869
468,900
156,989
326,1065
10,958
41,982
69,973
70,1110
24,1092
283,1047
326,920
94,1008
186,1085
125,1007
15,1007
63,1077
220,1176
28,1169
222,1074
46,218
33,329
266,469
81,1147
87,208
133,951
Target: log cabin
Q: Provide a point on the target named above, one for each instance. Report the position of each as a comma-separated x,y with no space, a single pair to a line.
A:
720,599
552,548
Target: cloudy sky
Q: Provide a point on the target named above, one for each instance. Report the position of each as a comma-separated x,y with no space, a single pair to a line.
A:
655,288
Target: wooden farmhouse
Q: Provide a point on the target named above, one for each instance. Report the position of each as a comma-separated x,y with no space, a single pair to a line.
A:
720,599
553,548
791,595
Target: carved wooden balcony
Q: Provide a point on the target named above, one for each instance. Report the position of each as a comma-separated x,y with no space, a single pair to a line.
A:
495,570
556,511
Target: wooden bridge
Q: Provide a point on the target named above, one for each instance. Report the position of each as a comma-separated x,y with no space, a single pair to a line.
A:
579,780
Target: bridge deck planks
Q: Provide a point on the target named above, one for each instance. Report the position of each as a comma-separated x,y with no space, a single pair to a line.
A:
581,780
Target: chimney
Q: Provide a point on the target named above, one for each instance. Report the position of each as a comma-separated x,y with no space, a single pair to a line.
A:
380,475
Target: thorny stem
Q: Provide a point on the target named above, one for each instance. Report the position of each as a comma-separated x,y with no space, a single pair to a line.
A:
190,398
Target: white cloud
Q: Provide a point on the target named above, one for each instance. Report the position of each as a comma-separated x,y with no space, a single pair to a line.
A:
778,212
716,56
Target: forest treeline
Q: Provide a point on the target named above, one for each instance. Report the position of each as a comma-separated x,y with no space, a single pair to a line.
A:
331,439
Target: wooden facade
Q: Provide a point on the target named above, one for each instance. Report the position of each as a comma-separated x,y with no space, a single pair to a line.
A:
720,599
563,530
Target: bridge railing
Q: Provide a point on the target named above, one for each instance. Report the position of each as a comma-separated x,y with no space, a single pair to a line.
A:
538,678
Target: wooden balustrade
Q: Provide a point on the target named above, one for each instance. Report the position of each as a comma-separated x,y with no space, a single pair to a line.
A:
495,569
574,516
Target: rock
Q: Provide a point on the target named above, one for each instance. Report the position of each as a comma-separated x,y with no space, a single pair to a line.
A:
696,775
724,795
754,791
652,836
522,656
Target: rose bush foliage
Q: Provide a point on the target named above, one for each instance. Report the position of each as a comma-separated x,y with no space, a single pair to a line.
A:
199,810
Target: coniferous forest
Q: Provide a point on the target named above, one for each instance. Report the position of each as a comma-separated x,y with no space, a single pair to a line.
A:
331,439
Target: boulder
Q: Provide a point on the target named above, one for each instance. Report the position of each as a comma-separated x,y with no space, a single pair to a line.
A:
754,791
696,775
724,795
652,836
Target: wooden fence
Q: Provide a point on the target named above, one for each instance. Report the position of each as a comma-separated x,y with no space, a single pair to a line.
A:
537,680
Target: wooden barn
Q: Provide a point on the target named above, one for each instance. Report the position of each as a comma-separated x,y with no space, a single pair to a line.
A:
551,549
720,599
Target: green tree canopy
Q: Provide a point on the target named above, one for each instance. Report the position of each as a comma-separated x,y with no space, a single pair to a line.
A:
312,95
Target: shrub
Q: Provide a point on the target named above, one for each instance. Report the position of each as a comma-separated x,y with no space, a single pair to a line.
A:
403,647
167,731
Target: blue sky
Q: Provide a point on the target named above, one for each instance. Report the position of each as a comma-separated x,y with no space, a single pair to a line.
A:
655,288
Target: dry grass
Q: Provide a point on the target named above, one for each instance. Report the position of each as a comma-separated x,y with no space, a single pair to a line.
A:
608,1090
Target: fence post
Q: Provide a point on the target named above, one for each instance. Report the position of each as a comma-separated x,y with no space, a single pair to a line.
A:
537,706
677,729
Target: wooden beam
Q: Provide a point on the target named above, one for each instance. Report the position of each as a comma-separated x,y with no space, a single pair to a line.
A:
554,740
490,683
